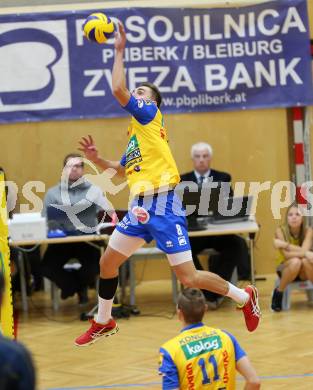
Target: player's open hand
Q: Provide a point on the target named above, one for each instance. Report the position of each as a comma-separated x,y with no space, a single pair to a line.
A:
89,148
120,37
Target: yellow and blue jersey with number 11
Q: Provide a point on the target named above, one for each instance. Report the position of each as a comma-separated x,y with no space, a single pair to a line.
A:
148,160
200,357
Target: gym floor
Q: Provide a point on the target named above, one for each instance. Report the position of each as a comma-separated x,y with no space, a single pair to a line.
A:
281,349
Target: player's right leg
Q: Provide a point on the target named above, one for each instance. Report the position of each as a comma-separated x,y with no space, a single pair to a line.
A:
120,247
170,232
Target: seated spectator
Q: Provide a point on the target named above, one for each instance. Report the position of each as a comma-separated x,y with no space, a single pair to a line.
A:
184,367
86,200
16,366
232,249
294,258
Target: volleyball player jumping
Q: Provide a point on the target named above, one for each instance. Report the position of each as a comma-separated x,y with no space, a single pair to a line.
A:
156,211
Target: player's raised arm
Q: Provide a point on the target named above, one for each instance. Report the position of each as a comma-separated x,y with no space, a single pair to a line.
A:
119,88
88,147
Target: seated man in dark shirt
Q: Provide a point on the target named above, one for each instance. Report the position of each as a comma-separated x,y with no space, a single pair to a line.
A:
16,366
232,249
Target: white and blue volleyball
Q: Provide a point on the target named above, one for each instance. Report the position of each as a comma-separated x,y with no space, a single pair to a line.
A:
98,28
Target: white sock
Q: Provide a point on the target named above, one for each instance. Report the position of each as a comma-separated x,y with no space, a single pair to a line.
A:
237,294
104,310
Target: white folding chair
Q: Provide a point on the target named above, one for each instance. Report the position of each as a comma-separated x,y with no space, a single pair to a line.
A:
302,285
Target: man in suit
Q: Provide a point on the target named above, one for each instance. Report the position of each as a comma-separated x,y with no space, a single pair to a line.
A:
232,249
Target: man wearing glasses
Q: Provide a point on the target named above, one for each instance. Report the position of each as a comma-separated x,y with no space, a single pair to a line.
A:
72,208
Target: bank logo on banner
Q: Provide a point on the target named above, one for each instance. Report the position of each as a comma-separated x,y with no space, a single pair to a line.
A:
34,66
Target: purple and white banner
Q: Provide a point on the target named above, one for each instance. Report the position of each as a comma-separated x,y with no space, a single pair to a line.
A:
216,59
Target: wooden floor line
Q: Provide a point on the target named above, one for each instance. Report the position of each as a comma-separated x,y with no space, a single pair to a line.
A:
290,376
107,386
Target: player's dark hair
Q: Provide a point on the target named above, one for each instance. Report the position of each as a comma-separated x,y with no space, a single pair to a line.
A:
191,302
72,155
155,92
1,285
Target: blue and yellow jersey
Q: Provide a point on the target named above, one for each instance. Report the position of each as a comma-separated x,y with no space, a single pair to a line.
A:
200,357
148,159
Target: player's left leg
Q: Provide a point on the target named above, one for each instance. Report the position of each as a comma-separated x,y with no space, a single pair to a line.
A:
246,299
120,247
104,325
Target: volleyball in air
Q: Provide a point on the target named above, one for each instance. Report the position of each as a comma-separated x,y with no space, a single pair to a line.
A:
98,27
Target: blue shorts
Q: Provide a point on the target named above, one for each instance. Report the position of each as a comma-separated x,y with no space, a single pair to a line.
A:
160,217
